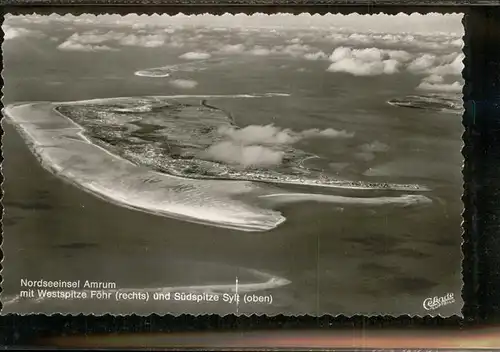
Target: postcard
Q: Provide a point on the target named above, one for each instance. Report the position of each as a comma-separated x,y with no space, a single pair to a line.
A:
233,164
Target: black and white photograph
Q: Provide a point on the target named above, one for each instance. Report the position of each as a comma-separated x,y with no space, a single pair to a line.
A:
233,164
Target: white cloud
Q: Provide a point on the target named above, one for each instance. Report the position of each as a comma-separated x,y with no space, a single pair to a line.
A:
194,55
433,79
306,37
430,41
340,53
94,37
450,64
422,63
295,50
113,38
319,55
184,83
400,55
368,54
261,145
18,32
398,24
244,155
257,134
273,135
232,49
390,66
260,51
298,32
72,46
146,41
295,41
450,68
368,61
362,62
328,133
459,42
375,61
455,87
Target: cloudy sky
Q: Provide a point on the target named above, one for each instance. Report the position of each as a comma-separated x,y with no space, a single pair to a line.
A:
402,23
428,46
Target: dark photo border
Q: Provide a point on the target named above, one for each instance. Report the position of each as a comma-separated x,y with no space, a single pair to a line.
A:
481,217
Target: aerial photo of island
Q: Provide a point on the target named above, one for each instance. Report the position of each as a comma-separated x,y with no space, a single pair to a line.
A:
234,164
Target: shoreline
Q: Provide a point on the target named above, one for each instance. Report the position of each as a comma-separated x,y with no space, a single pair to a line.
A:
339,184
175,96
205,201
257,220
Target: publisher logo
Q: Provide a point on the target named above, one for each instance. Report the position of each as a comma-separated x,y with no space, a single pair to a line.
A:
433,303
